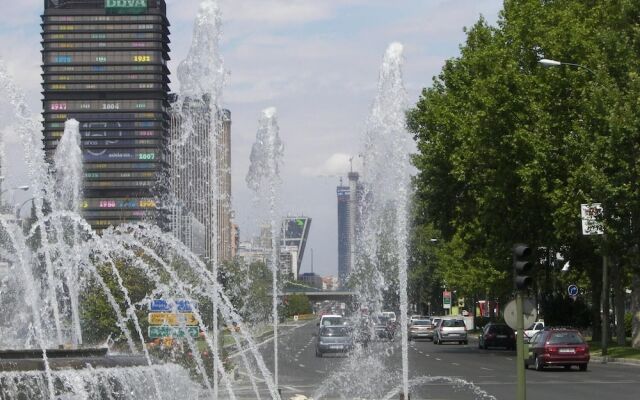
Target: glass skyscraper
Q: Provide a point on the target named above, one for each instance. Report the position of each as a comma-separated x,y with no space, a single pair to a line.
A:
104,64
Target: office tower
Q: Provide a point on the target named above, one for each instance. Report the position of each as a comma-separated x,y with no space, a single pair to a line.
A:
104,64
193,151
344,238
293,240
349,199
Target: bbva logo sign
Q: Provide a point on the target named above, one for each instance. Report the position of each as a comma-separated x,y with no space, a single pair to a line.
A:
126,3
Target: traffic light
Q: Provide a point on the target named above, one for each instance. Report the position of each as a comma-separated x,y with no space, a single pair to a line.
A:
521,266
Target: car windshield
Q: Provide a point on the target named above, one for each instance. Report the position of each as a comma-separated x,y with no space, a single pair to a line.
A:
500,329
453,323
332,321
422,322
565,338
334,331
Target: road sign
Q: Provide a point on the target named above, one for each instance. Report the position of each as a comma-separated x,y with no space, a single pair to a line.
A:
529,310
592,219
446,299
172,319
181,305
573,290
172,331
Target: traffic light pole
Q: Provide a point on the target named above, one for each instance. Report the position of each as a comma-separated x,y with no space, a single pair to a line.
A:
604,299
521,391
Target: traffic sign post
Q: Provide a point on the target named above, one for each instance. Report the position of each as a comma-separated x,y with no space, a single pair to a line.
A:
446,300
165,322
179,305
172,319
172,331
573,290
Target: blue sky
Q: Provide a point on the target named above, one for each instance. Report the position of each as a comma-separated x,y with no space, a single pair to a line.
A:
316,61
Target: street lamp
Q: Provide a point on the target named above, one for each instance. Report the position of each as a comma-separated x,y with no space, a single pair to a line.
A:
23,187
545,62
19,207
604,298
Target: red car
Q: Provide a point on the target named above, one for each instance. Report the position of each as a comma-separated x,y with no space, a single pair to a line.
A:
558,347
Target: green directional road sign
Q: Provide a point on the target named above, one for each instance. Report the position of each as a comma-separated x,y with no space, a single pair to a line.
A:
172,331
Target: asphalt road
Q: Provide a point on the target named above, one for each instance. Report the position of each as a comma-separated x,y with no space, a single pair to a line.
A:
448,371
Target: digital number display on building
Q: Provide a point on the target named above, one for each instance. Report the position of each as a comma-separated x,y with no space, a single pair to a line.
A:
109,203
118,155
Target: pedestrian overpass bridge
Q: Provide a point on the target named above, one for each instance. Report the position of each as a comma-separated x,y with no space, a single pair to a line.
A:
314,294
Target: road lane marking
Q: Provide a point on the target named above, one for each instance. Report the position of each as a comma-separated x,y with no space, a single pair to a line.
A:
486,369
301,365
456,364
438,359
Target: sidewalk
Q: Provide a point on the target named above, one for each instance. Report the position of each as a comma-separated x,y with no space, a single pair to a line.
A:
608,359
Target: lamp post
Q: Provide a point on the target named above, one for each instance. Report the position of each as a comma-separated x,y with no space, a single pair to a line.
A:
604,298
12,189
19,207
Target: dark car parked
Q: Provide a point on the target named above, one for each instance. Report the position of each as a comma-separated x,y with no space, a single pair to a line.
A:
558,347
384,328
497,335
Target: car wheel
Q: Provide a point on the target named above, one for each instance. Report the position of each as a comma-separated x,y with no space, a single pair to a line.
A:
583,367
526,365
567,367
479,345
538,364
465,342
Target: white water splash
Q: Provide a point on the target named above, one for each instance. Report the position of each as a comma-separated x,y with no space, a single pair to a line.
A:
386,178
263,179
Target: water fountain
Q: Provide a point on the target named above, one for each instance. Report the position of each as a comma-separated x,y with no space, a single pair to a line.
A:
59,258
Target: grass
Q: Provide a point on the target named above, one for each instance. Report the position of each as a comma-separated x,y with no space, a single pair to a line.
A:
615,350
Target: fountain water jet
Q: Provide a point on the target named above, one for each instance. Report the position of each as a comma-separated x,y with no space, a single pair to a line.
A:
386,178
263,179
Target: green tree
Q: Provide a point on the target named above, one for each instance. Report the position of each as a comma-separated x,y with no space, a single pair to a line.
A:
507,150
297,304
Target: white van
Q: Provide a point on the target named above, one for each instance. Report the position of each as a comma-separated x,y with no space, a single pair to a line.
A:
390,315
331,320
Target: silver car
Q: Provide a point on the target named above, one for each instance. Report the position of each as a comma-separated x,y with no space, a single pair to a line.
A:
334,339
451,330
419,329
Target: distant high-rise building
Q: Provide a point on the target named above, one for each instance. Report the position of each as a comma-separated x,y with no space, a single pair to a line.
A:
349,198
344,229
104,63
192,186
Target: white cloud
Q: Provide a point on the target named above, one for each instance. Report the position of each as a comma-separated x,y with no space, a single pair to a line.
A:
337,165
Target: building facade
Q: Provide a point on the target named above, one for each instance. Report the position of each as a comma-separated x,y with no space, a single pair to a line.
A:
196,147
104,63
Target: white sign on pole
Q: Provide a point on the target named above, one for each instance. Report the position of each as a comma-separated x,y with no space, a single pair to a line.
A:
592,219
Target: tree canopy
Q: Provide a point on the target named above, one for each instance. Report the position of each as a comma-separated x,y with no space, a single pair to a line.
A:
508,149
